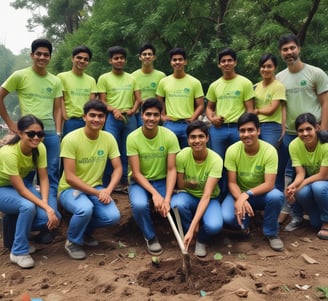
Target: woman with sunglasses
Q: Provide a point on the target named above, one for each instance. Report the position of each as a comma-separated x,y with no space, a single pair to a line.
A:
24,153
309,154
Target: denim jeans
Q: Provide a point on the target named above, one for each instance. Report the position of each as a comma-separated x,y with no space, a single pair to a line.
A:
211,222
313,198
72,124
88,213
271,202
139,200
29,216
120,130
271,132
179,129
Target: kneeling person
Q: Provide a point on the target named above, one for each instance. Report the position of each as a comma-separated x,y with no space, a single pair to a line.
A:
81,192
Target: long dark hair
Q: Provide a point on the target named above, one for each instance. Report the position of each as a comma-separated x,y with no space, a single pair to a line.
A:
22,124
310,118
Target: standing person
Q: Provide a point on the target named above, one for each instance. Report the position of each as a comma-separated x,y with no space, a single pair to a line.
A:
182,95
36,210
39,93
306,91
228,98
199,170
252,168
121,94
151,151
81,190
147,76
270,97
78,88
309,155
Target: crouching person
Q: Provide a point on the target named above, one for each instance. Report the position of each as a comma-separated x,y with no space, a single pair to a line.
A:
252,168
81,191
199,170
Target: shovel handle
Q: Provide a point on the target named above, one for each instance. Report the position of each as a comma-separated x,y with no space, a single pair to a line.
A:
176,233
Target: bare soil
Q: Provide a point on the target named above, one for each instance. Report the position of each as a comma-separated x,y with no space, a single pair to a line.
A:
121,269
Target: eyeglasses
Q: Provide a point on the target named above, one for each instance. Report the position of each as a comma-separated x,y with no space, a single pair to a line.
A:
82,58
32,134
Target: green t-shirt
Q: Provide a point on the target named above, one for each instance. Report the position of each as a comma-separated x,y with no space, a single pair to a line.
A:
152,152
148,82
264,97
311,161
77,90
180,95
14,163
229,96
36,94
302,90
251,169
119,88
90,156
199,172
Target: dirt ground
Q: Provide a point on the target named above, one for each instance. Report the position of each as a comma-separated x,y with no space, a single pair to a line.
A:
236,267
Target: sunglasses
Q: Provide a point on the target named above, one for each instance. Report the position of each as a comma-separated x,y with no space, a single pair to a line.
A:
32,134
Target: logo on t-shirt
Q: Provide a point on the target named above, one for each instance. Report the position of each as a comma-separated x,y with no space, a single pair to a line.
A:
303,83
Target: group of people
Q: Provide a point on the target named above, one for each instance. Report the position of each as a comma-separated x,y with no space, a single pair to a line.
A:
141,133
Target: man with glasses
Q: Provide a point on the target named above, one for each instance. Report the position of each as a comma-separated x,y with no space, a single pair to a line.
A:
151,151
39,93
252,169
147,76
79,87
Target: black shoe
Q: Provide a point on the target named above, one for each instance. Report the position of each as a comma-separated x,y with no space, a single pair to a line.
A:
44,237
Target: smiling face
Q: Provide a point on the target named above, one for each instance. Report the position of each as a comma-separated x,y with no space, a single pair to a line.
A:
227,64
94,120
197,140
118,62
178,62
80,61
308,134
267,69
290,53
32,136
249,134
151,118
41,57
147,57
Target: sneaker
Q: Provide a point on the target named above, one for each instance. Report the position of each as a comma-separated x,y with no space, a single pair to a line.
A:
276,243
154,247
294,224
24,261
200,249
74,251
90,241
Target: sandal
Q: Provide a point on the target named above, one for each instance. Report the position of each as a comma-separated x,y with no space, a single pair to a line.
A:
322,235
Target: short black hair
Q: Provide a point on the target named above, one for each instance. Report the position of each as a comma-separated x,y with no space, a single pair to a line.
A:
116,50
95,104
197,124
268,56
178,50
287,38
151,103
147,46
41,43
248,117
82,48
227,51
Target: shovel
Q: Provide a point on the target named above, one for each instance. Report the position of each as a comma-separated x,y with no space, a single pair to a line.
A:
185,256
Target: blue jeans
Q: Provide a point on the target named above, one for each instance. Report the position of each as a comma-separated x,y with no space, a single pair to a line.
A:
179,129
72,124
271,132
120,130
139,200
271,202
211,222
88,213
29,216
313,198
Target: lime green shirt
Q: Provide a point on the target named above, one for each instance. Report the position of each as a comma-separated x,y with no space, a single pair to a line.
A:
77,90
90,156
251,169
229,96
264,97
36,94
148,82
199,172
180,95
14,163
311,161
119,88
152,152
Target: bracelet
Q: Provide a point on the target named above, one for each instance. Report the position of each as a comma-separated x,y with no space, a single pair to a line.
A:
250,192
